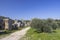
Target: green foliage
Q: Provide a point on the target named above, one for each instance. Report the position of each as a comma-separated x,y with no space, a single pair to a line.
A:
37,24
54,26
44,25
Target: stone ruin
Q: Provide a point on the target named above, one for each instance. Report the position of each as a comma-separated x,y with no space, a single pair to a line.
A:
17,24
1,24
8,24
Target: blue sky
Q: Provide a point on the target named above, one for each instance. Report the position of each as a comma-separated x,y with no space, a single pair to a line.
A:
27,9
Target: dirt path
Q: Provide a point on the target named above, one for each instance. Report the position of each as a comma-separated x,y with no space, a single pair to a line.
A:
16,35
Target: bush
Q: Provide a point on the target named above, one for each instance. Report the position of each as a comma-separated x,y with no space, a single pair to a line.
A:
44,25
40,25
36,24
54,25
47,29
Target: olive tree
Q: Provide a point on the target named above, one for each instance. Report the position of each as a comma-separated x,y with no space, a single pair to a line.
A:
40,25
36,24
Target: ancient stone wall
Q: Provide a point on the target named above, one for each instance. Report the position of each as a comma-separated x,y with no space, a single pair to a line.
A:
8,24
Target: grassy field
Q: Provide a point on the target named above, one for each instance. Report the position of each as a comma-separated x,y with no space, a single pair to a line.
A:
33,35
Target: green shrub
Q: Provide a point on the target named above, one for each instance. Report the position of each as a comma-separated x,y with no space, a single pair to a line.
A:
44,25
36,24
40,25
54,26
